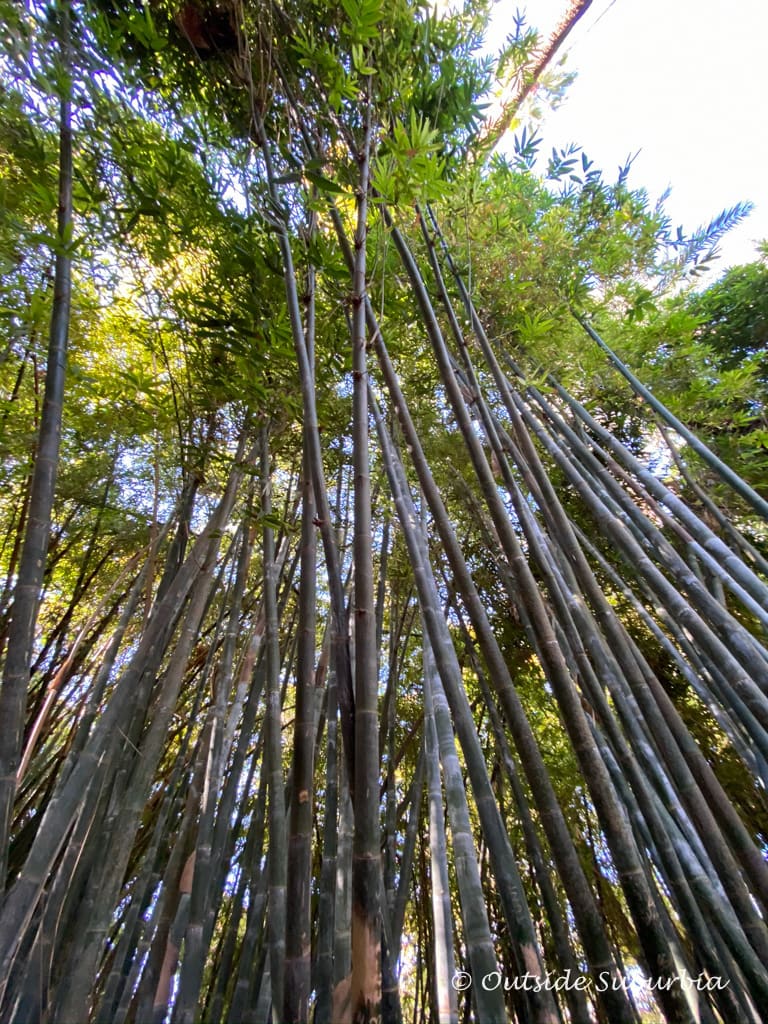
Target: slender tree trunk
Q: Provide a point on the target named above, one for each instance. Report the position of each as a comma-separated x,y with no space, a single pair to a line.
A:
328,874
743,489
298,939
273,762
622,844
526,83
26,596
444,968
586,912
95,762
340,647
365,995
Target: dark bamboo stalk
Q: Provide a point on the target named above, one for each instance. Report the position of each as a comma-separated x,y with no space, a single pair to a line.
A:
95,761
340,644
273,761
623,848
517,915
26,595
203,893
299,869
674,744
587,915
328,874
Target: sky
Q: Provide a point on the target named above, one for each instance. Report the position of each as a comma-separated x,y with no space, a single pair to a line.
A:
685,83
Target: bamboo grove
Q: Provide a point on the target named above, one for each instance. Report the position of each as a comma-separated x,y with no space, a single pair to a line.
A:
383,631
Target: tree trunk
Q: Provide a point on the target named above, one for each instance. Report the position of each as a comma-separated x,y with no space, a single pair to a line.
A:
26,594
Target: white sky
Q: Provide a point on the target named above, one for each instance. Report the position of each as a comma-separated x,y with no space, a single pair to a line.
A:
683,81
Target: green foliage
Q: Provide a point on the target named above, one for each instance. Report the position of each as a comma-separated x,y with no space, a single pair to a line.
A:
407,169
733,317
181,337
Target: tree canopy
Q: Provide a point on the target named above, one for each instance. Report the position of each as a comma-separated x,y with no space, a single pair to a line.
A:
383,537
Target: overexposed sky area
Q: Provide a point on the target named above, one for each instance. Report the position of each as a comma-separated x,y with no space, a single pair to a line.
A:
685,82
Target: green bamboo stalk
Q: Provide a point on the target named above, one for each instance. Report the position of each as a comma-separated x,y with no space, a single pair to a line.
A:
92,765
621,842
444,966
414,800
516,911
340,648
126,963
273,761
327,896
587,916
725,472
26,594
667,729
574,997
365,992
299,868
166,904
104,885
202,893
240,1006
342,936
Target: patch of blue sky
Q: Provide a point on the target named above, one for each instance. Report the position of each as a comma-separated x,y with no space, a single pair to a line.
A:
684,86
